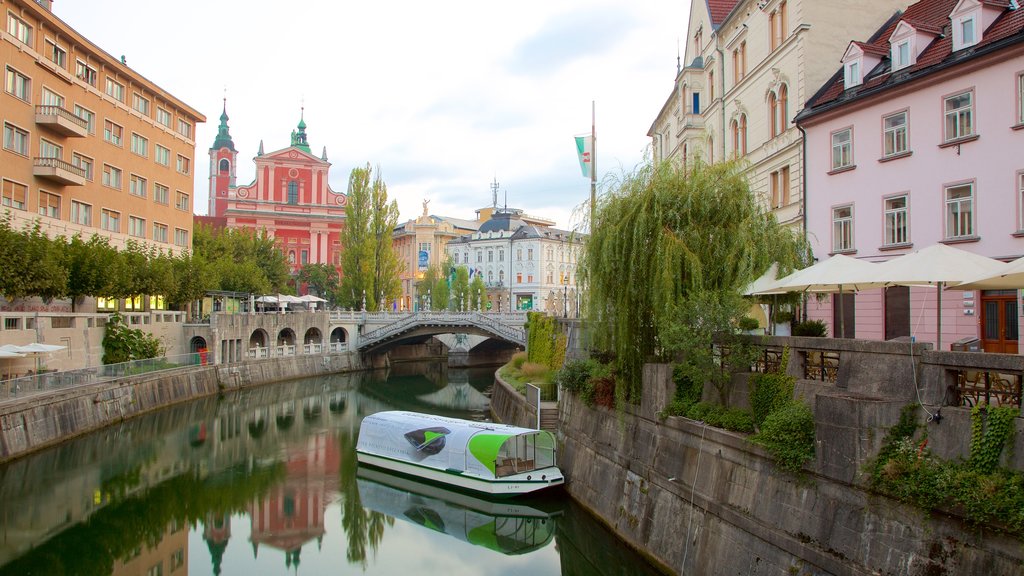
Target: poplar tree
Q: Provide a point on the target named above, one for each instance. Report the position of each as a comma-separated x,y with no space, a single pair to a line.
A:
369,264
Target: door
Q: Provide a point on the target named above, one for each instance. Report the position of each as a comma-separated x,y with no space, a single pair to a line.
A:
999,321
897,312
846,327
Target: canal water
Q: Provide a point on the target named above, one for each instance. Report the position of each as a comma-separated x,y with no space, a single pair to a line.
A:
265,481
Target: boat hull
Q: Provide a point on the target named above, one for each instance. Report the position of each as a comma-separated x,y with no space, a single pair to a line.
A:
505,487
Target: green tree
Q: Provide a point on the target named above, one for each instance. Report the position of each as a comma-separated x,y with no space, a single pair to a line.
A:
386,264
123,344
478,293
460,289
322,279
193,277
661,234
241,260
89,264
357,259
30,263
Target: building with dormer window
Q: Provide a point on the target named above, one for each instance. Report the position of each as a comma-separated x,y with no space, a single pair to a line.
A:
924,148
747,67
290,197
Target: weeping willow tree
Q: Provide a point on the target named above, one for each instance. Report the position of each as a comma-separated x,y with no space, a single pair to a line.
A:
663,235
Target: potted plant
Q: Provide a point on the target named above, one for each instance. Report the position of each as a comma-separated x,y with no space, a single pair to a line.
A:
749,325
783,322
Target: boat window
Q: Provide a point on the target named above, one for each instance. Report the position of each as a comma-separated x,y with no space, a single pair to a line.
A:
525,453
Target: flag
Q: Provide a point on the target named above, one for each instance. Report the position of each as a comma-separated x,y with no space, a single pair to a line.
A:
584,148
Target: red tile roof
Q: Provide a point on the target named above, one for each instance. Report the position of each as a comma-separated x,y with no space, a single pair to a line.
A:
719,9
927,16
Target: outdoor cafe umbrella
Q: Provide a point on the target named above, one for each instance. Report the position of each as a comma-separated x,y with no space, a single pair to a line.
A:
9,354
938,265
35,349
1009,278
836,274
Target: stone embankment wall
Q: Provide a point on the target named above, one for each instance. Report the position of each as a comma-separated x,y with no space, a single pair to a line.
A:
699,500
34,422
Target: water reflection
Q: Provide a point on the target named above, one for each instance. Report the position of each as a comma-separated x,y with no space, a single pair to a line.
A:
265,478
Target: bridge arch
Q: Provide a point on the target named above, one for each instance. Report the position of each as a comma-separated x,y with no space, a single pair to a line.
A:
286,337
313,336
339,335
259,338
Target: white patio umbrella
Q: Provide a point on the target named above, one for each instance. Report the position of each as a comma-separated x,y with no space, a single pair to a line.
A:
938,265
837,274
767,279
1009,278
9,354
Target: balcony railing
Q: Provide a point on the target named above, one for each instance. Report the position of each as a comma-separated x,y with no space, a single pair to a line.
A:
60,120
59,171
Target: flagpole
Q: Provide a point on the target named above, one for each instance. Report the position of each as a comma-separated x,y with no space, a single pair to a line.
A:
593,163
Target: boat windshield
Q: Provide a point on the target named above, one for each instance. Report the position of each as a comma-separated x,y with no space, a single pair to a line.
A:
524,453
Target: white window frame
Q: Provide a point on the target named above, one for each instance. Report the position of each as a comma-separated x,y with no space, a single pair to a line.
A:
1020,98
181,237
48,97
138,186
9,202
20,29
136,227
843,147
953,212
84,162
17,84
88,115
16,139
162,155
140,104
842,229
48,209
852,73
49,149
56,53
110,220
184,164
86,73
184,128
902,55
962,25
163,117
181,201
896,220
81,213
1020,200
108,133
112,178
114,89
893,134
140,145
956,115
161,194
160,232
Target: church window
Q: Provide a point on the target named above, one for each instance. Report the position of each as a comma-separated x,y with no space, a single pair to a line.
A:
225,166
293,192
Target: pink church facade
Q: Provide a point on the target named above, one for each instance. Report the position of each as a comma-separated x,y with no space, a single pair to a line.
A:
919,139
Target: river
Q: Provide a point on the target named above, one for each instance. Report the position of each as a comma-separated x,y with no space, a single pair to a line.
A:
265,481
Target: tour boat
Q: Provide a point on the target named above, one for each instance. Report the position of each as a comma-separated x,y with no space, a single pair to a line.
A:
509,526
484,457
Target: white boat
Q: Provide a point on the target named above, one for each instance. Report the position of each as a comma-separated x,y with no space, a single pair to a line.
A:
484,457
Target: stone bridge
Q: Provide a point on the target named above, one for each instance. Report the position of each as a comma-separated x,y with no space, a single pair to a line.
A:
230,338
419,326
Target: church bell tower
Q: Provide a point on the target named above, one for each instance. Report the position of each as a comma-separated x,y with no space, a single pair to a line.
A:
223,160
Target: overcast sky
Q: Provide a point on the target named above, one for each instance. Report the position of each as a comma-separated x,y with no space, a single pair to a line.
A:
443,96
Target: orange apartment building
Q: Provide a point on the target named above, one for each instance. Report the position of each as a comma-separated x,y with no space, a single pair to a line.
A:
89,144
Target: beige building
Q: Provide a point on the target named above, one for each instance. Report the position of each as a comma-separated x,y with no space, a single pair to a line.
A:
749,67
89,144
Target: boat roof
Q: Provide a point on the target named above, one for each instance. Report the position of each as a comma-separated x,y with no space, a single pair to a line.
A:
421,419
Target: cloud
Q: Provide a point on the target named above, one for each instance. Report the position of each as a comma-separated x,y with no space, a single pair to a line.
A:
569,37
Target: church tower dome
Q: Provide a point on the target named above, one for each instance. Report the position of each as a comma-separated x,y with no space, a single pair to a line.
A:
223,160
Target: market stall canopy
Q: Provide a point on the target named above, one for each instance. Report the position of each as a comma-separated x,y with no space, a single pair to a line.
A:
1009,278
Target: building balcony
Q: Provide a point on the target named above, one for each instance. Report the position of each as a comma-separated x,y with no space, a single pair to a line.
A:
59,171
61,120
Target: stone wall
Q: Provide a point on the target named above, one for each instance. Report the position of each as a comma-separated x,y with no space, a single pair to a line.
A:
34,422
699,500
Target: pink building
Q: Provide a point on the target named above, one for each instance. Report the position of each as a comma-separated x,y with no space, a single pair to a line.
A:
919,139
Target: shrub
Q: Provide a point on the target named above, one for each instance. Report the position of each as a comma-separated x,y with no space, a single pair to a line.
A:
810,328
747,323
783,316
719,416
518,359
769,392
604,392
788,434
574,375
